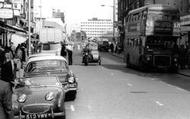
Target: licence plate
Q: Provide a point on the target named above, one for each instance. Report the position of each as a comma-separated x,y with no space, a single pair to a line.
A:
37,116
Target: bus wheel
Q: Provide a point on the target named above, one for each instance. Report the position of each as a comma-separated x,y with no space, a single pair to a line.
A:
142,66
127,61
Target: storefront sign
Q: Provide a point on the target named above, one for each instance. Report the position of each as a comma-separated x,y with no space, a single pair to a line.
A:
17,1
16,12
6,13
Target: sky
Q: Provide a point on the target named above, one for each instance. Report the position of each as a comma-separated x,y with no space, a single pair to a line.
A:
77,10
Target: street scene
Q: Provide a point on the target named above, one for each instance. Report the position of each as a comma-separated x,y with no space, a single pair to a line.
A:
98,59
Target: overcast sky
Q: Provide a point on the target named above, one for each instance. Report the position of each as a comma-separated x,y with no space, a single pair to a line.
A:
77,10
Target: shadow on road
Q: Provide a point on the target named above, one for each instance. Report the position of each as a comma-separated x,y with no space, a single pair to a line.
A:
169,78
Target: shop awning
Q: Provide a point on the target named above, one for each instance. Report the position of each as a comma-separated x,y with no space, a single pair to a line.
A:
17,39
11,28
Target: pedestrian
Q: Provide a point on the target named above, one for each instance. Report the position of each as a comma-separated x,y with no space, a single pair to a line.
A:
112,47
69,48
23,49
8,72
63,50
6,111
1,55
8,69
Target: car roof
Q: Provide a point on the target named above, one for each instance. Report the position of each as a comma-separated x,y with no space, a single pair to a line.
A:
48,57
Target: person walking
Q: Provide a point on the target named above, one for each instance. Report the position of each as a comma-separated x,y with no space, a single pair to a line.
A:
63,51
8,69
69,48
8,73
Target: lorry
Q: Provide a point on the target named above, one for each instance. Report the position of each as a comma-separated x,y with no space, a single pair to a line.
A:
51,39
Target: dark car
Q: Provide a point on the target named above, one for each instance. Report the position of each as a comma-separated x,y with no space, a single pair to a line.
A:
103,46
53,66
38,97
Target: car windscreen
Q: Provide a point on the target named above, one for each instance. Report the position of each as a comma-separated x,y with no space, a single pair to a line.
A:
44,65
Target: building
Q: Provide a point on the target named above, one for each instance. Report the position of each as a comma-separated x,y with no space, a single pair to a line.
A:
124,6
14,20
97,27
58,14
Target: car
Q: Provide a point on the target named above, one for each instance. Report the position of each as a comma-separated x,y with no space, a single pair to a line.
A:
38,97
53,66
103,46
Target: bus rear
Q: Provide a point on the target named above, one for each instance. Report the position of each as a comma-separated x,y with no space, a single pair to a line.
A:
157,47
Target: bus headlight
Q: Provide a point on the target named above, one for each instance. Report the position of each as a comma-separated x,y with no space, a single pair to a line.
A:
148,58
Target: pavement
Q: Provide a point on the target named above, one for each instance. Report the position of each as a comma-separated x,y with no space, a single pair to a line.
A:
185,72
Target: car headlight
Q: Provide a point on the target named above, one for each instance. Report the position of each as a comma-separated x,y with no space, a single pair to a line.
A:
71,79
49,96
22,98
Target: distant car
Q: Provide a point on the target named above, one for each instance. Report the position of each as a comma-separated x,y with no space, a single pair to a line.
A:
38,97
103,46
53,66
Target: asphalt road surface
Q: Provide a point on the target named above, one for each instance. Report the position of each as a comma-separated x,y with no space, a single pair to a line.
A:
111,91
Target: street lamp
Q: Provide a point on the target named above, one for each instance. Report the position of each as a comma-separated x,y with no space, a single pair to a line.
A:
113,17
29,25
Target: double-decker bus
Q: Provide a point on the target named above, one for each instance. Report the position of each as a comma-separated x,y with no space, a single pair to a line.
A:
150,41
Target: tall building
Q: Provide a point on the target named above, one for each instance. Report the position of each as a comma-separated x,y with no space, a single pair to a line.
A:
97,27
58,14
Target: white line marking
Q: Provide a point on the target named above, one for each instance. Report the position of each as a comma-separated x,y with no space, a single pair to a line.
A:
89,107
160,104
153,79
72,108
130,84
180,89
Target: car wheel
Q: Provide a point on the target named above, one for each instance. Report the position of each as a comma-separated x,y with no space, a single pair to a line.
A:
70,96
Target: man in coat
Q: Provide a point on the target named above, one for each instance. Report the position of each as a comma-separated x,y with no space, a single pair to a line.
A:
5,101
8,69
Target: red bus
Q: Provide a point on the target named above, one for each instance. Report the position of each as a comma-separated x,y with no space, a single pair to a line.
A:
150,41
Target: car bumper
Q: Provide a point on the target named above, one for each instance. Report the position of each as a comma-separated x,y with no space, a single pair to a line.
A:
40,116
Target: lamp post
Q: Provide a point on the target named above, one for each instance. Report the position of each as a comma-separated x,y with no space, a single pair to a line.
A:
113,17
29,25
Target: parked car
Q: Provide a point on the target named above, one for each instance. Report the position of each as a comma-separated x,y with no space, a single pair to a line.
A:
53,66
38,97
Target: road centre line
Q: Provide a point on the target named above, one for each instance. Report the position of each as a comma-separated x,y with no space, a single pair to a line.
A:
129,84
72,108
158,103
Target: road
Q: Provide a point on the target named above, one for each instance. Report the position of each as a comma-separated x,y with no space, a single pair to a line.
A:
111,91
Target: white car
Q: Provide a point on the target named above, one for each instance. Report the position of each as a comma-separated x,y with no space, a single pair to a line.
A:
53,66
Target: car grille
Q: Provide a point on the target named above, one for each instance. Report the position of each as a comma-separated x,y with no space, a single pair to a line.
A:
162,60
35,109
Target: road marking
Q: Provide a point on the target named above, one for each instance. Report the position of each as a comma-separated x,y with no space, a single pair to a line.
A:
72,108
129,84
112,74
180,89
160,104
90,108
153,79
